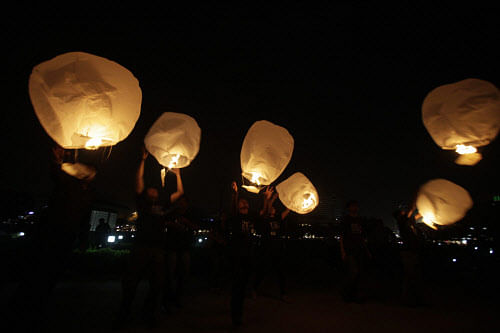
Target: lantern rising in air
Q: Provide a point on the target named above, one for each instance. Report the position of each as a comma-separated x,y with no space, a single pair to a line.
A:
265,153
174,140
441,202
298,194
463,116
85,101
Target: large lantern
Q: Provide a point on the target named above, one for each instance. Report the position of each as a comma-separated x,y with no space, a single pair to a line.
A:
174,140
463,116
265,153
85,101
442,202
298,194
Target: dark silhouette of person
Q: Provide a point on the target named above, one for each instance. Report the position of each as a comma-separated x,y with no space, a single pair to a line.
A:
354,252
60,229
102,231
412,291
272,247
180,232
241,235
218,253
147,257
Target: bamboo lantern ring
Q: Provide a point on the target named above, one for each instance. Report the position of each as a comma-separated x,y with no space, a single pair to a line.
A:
298,194
441,202
85,101
265,153
463,116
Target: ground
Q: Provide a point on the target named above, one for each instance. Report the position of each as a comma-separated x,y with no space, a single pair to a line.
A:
467,303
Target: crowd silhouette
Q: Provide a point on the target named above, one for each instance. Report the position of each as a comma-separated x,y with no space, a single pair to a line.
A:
251,241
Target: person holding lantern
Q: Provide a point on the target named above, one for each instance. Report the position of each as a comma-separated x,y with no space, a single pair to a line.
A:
271,252
354,251
241,230
62,224
148,253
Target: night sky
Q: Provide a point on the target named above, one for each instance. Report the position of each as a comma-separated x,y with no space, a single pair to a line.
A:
347,82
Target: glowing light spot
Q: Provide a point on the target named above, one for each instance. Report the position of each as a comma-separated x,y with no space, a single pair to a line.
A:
111,239
463,149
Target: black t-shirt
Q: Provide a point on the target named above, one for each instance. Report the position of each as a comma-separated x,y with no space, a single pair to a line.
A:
242,233
179,234
410,235
151,222
353,234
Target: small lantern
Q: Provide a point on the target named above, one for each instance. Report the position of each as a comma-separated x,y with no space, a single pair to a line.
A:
85,101
298,194
265,153
442,202
174,140
463,116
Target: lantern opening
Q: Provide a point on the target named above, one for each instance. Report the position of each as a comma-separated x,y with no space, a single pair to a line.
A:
254,183
175,160
429,218
94,143
463,149
309,201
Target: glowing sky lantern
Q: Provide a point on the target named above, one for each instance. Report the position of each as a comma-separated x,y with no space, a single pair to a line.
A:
85,101
174,140
265,153
442,202
463,116
298,194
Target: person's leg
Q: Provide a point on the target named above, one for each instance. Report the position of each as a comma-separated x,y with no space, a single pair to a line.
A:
136,265
156,285
184,263
240,279
170,277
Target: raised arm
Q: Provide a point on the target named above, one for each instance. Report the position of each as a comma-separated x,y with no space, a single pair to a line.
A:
180,188
139,177
268,201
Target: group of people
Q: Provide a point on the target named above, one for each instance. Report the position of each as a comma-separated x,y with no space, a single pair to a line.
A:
251,239
252,242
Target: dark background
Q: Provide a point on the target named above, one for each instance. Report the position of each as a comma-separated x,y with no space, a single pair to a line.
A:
346,81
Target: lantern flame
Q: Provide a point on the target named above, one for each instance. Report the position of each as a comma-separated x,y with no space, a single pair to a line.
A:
428,219
309,201
463,149
93,143
255,178
174,161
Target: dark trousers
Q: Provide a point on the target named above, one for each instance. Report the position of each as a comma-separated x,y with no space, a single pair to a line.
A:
242,267
412,289
271,259
47,261
354,272
144,261
178,263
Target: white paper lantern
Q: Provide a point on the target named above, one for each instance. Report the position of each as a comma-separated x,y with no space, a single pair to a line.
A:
85,101
265,153
442,202
298,194
463,116
174,140
79,170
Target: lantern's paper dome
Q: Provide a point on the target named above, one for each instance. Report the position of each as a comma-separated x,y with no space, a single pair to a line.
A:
265,153
442,202
174,140
463,113
298,194
85,101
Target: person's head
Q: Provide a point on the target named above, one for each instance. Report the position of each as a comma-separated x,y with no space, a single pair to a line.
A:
243,206
151,194
352,208
182,204
102,221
